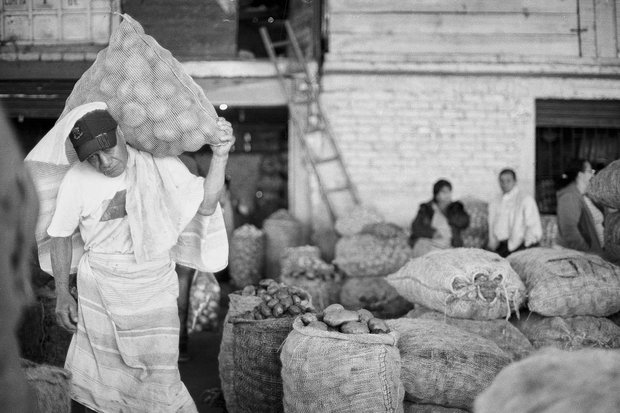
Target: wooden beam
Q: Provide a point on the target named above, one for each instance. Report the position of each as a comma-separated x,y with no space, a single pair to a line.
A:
452,6
509,44
605,14
387,23
587,27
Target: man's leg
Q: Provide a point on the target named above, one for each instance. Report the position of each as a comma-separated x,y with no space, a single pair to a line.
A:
185,275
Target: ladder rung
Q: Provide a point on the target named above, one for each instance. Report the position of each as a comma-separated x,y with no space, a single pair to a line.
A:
326,160
281,43
338,189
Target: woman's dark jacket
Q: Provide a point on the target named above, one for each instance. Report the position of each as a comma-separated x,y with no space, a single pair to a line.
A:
457,218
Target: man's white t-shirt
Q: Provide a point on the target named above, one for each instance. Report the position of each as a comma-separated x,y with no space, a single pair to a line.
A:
96,204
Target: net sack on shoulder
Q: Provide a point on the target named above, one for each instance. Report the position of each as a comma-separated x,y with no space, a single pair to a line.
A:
326,371
462,283
568,283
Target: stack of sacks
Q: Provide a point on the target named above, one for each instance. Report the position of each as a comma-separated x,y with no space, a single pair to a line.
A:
303,267
282,231
554,381
366,258
444,368
476,235
572,293
462,283
604,190
247,256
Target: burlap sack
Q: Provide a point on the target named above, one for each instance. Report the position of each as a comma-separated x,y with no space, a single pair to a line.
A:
256,353
476,235
334,372
429,408
51,386
462,283
501,332
445,365
571,333
238,304
282,231
604,187
375,295
555,381
158,106
356,220
567,283
368,255
611,232
247,256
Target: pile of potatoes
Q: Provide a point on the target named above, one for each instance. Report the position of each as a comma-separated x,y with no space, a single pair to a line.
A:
305,266
279,300
247,255
336,318
159,108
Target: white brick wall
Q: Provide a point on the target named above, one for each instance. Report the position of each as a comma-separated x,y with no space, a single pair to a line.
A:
400,133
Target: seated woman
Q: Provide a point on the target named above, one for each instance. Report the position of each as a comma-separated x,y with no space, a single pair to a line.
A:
577,227
439,222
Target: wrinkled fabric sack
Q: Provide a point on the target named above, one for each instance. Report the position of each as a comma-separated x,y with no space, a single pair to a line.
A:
501,332
238,305
247,256
356,220
568,283
570,333
461,282
555,381
51,386
375,295
158,106
257,377
611,233
476,235
282,231
445,365
604,187
429,408
333,372
369,255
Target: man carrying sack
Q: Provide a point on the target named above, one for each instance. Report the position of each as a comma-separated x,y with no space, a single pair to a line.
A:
128,217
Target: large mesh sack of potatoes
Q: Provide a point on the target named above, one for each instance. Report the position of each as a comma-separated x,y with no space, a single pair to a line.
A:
330,371
246,256
462,283
501,332
51,386
238,305
158,106
568,283
410,407
476,235
555,381
282,231
604,187
569,333
379,251
374,294
445,365
302,267
356,220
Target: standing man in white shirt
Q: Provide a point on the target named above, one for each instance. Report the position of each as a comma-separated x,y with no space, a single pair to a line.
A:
514,221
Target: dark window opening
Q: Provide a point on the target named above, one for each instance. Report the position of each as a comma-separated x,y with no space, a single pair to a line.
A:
254,14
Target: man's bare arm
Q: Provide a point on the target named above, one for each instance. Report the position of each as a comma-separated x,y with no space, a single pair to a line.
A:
66,306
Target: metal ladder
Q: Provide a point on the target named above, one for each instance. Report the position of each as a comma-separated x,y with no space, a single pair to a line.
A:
317,137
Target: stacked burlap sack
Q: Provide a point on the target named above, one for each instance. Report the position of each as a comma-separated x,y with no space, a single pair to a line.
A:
366,258
571,294
159,108
554,381
303,267
282,231
604,190
51,386
444,367
246,256
476,235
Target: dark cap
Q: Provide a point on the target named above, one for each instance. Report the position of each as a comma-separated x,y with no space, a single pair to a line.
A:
93,132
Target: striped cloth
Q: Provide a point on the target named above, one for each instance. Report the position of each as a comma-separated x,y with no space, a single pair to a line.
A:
124,355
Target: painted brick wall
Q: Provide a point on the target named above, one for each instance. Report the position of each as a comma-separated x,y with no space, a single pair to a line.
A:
400,133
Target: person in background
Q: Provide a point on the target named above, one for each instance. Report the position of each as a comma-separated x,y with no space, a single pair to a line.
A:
576,223
439,222
514,221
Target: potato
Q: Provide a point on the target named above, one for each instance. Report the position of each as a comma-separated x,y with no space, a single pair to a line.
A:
264,309
294,310
144,92
272,303
308,318
296,300
286,302
248,290
188,120
133,114
318,325
378,326
266,297
108,85
124,91
282,294
137,68
354,327
333,307
336,318
164,132
365,315
158,109
266,282
259,316
272,289
277,310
